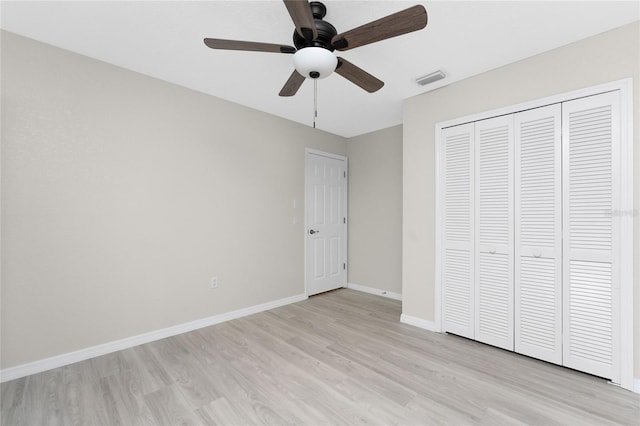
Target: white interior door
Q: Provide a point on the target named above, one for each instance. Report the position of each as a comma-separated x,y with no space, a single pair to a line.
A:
538,233
457,203
326,222
591,150
494,231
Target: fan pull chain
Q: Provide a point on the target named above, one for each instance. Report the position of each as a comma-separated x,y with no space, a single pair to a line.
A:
315,101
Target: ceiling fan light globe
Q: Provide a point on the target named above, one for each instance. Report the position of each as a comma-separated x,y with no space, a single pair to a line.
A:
315,62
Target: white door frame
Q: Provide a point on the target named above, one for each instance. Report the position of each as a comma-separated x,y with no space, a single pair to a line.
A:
625,216
307,153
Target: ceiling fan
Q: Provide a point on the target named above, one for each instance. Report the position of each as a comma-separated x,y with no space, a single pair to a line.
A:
316,39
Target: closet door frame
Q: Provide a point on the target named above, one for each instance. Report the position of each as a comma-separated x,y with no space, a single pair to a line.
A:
624,211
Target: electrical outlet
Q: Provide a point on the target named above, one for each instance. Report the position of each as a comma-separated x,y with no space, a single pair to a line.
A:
214,282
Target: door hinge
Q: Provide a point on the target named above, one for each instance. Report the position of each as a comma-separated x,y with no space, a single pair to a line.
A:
344,220
344,266
345,174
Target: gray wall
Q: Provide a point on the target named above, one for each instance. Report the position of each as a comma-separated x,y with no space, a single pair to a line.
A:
600,59
122,195
375,209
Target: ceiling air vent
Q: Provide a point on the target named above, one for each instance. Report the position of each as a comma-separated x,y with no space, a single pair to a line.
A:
430,78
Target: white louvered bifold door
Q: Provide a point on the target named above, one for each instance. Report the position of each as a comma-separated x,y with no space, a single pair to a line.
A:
457,257
591,280
538,233
494,231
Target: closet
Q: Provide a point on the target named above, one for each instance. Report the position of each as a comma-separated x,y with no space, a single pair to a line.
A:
530,237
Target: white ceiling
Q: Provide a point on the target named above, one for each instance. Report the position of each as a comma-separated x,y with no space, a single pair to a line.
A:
163,39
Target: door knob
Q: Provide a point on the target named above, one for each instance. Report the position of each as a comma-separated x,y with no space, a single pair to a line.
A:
312,231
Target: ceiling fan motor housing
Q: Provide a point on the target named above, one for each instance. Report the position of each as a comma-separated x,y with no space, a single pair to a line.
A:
325,30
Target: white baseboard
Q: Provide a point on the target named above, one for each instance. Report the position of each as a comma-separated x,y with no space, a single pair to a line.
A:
636,385
39,366
419,322
376,291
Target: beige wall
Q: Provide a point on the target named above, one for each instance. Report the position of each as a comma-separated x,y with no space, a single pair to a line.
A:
122,195
375,209
603,58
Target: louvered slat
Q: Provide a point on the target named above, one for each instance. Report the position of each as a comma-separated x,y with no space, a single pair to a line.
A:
457,292
590,170
458,188
538,293
590,324
494,184
493,296
457,273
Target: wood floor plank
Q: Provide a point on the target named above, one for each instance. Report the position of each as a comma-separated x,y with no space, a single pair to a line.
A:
151,374
79,409
222,412
310,381
432,412
12,401
281,379
42,398
169,408
108,364
244,379
184,371
339,358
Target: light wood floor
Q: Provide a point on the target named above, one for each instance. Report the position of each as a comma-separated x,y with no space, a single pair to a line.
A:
339,358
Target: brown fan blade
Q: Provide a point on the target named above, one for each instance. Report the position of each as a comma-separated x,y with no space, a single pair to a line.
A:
358,76
254,46
302,17
405,21
293,84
